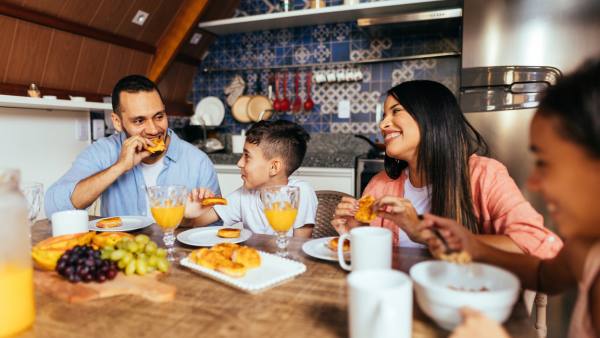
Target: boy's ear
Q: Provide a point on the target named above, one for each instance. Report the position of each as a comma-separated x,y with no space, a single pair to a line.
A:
276,166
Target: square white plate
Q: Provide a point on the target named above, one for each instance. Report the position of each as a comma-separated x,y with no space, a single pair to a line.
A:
272,271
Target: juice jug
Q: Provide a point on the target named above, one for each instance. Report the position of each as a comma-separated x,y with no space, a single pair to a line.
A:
17,309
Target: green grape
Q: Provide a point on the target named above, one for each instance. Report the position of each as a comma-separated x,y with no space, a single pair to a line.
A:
160,252
142,239
163,265
122,244
133,247
141,266
127,258
121,265
152,261
105,254
150,248
142,255
117,255
130,269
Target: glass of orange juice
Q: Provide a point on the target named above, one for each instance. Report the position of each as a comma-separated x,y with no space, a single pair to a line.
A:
167,204
280,204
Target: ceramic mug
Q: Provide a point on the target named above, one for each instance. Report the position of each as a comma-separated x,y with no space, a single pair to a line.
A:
69,222
319,77
380,304
370,248
331,77
340,75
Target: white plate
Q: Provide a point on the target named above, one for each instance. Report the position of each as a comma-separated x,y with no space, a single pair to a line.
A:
210,111
318,248
207,236
130,223
272,271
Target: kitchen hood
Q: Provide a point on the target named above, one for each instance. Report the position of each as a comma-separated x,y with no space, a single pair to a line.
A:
419,16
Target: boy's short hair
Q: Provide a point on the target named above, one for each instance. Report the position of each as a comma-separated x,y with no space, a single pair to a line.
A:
280,138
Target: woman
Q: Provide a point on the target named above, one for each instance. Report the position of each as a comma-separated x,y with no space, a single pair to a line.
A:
432,165
565,138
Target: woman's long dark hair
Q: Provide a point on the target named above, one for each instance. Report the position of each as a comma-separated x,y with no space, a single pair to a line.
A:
447,142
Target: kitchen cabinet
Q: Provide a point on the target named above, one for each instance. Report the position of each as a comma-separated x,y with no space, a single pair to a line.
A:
338,179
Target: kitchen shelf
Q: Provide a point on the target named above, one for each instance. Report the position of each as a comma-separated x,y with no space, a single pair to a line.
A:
316,65
13,101
332,14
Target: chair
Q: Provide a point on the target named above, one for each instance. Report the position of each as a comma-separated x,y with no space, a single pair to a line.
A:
541,303
328,201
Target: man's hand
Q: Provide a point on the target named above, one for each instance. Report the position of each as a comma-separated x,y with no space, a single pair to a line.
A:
133,152
193,207
343,218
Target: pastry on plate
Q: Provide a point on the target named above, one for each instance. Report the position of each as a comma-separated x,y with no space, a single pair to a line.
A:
365,213
207,258
229,232
110,222
333,244
232,269
247,256
225,249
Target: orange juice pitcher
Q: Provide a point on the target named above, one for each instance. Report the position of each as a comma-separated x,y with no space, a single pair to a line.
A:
17,310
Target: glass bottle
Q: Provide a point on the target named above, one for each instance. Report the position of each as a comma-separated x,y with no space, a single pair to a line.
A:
17,309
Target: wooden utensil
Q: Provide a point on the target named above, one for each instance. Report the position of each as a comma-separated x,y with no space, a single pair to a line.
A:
297,105
259,106
284,103
239,108
308,104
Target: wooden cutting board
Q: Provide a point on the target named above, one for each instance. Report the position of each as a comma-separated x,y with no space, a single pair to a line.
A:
146,286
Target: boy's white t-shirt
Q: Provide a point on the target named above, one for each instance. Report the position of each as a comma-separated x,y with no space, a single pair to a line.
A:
421,201
151,172
245,206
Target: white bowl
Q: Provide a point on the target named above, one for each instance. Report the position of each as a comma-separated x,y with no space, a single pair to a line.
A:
433,281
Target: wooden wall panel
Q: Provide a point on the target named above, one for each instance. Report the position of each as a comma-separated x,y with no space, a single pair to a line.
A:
159,21
60,66
139,63
90,67
117,65
8,28
184,81
110,14
29,53
80,11
52,7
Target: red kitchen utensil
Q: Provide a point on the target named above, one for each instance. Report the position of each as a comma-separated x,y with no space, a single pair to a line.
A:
308,104
276,102
297,105
285,103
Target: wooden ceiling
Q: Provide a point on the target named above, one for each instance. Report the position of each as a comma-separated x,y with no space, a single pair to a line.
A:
82,46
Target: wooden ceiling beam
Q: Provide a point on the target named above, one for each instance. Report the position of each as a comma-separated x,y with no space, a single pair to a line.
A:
50,21
170,43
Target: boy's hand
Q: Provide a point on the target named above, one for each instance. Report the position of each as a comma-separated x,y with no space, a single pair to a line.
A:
193,207
403,214
476,324
343,217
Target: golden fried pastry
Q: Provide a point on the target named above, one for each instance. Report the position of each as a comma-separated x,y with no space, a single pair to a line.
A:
109,222
208,258
365,212
461,257
232,269
158,147
211,201
247,256
333,244
229,232
225,249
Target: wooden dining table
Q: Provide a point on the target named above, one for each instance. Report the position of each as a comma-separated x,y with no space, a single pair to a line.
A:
314,304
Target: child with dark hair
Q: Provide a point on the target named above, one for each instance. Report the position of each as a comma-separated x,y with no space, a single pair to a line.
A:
272,152
565,139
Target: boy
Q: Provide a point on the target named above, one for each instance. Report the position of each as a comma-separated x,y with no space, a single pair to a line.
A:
272,152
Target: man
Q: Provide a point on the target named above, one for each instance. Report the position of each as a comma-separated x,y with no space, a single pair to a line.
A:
119,168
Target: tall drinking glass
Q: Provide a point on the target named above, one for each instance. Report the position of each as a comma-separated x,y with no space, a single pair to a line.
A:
167,204
34,193
280,204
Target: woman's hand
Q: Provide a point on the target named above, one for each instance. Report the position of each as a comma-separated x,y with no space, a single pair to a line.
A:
476,325
403,214
343,218
457,237
193,207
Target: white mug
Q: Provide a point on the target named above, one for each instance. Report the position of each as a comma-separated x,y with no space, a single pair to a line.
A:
340,75
319,77
331,76
380,304
69,222
370,248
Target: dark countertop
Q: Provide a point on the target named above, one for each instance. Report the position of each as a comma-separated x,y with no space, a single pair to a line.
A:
324,160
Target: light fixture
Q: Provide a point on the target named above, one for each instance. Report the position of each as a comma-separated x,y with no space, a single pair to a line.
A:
140,17
195,38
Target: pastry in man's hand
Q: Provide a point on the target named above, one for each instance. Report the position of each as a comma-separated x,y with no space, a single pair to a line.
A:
333,244
158,147
365,213
110,222
212,201
247,256
229,232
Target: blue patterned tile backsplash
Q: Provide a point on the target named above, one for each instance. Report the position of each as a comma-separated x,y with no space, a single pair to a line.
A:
328,48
